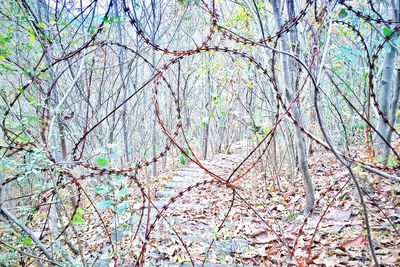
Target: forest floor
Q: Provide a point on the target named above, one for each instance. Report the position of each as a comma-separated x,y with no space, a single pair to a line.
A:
265,225
273,232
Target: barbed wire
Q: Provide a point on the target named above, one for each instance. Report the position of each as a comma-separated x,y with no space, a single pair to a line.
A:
66,176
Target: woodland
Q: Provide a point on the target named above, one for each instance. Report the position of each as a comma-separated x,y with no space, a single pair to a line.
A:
199,133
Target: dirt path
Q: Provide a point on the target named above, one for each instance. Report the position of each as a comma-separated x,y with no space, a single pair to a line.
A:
190,224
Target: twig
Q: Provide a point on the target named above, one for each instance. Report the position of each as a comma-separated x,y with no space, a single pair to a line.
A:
30,255
9,217
381,173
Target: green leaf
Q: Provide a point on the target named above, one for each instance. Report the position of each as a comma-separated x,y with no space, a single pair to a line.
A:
92,29
5,68
255,128
214,98
105,204
182,160
182,2
241,14
41,25
80,211
187,151
123,193
398,113
102,162
119,179
264,130
391,162
261,5
259,137
120,208
359,126
106,19
358,168
387,31
342,13
27,241
32,38
31,99
77,219
102,189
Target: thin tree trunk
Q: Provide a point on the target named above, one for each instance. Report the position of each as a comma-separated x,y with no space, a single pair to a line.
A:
384,95
392,119
206,132
124,86
154,128
388,97
300,141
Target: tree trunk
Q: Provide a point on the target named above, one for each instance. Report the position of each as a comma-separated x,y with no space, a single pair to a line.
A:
300,141
124,87
392,118
388,97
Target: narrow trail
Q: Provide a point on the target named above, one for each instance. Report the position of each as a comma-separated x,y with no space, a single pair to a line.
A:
194,218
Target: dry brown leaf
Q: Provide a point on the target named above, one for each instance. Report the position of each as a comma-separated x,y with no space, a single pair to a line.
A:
328,260
390,260
389,257
152,242
360,241
338,215
271,251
